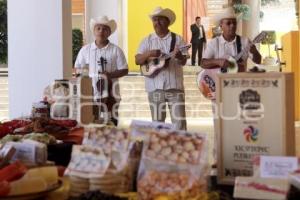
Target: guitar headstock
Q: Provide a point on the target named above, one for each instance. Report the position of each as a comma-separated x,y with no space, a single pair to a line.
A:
260,37
185,47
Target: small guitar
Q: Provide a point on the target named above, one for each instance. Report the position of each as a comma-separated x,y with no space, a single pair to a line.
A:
155,64
206,79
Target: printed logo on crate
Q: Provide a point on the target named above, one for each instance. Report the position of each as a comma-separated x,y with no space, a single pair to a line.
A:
251,134
250,100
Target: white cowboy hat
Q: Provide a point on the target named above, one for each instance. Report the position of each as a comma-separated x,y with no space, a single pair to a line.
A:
168,13
104,21
228,13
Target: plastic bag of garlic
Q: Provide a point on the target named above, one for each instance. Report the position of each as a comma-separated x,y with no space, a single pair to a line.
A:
173,163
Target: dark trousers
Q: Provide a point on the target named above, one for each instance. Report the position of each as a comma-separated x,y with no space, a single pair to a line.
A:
197,47
111,113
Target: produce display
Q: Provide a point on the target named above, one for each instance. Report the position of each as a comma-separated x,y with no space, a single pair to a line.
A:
110,163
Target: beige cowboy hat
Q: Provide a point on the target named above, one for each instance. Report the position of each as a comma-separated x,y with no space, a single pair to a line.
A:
228,13
104,21
168,13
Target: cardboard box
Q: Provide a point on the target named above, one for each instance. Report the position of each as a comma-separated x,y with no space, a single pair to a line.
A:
256,117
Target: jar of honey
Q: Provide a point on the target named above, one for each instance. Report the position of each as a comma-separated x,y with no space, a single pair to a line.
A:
40,109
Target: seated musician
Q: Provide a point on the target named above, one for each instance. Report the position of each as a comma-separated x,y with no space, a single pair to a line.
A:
105,60
166,86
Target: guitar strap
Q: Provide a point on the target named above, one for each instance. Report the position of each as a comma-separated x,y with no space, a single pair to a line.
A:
173,42
238,45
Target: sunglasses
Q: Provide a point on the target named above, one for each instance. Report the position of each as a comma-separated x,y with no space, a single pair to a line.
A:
228,23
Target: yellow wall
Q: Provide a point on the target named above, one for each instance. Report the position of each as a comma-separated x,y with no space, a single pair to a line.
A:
290,55
140,25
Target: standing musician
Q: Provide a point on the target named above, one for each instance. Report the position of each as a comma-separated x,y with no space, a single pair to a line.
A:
107,63
228,44
167,85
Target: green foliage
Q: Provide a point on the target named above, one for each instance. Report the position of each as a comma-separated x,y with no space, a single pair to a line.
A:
3,31
237,2
266,2
242,9
77,43
270,38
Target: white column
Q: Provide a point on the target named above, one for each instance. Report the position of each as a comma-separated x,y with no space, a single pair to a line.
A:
251,26
95,8
123,27
39,49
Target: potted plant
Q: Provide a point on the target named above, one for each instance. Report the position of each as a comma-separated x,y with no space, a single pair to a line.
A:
3,33
77,42
269,40
243,10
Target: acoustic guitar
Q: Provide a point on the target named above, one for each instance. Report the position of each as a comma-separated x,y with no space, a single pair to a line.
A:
206,79
155,64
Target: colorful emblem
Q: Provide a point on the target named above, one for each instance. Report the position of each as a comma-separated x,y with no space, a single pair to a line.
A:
251,134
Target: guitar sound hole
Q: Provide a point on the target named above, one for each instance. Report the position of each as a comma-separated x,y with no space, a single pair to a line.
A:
156,61
224,70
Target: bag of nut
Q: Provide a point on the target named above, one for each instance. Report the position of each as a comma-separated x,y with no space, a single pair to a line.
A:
119,175
139,129
107,137
87,162
173,163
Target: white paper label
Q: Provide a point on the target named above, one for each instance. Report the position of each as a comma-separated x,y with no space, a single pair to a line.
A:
277,167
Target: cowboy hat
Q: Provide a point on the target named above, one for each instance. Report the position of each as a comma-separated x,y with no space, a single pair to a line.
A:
168,13
228,13
104,21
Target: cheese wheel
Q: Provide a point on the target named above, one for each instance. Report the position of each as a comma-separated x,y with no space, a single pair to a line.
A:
48,173
27,186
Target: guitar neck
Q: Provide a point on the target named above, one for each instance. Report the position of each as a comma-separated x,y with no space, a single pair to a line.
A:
257,39
237,57
169,55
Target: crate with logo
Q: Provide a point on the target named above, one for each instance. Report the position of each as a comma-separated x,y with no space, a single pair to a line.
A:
255,116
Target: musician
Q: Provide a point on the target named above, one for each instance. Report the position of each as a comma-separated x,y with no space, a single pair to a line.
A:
166,86
105,58
198,40
228,44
